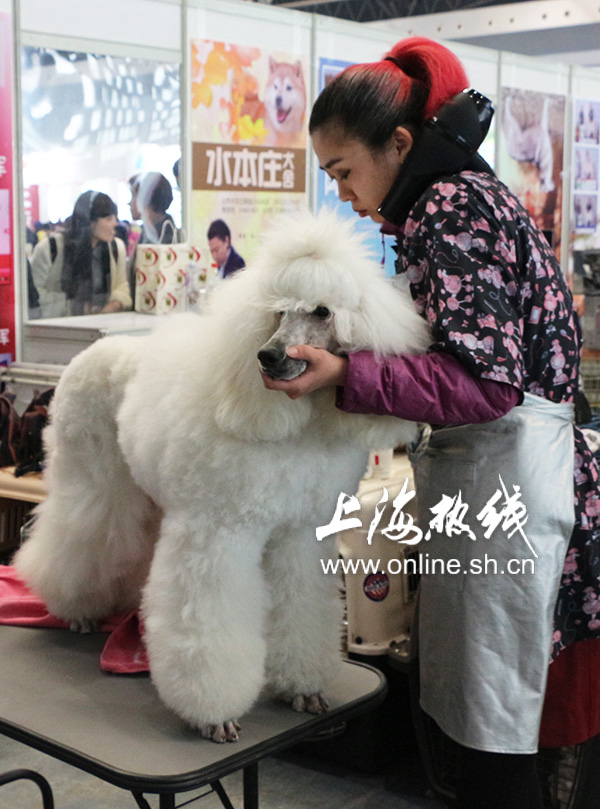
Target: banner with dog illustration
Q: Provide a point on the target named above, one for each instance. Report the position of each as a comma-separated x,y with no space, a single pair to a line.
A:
531,154
249,134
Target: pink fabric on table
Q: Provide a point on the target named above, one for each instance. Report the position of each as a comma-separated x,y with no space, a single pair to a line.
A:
124,651
433,388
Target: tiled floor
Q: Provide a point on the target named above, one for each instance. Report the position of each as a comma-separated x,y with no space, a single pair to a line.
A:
292,781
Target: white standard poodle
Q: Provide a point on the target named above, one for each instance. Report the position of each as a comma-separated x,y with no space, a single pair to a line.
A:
176,480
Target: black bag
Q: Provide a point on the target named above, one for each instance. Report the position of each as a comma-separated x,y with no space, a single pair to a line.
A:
10,431
30,453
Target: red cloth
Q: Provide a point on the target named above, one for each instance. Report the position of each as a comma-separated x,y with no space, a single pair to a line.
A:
124,651
572,707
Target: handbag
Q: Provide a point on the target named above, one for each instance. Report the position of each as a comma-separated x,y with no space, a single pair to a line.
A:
31,455
9,431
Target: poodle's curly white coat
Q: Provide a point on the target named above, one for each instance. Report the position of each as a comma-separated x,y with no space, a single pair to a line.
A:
176,478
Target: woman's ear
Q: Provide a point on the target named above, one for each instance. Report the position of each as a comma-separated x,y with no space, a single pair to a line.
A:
403,141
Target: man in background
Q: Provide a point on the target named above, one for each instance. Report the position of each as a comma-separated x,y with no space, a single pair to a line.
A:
224,256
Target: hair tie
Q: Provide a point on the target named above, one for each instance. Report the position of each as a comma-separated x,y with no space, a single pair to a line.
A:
395,61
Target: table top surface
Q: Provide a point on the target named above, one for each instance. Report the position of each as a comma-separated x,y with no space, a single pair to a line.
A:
30,487
54,697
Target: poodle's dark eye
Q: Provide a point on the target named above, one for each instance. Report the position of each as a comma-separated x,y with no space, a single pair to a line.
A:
321,312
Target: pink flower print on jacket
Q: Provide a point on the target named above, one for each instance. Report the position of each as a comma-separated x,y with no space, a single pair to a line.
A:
591,601
570,566
552,300
592,504
580,475
558,362
416,272
486,321
492,276
471,341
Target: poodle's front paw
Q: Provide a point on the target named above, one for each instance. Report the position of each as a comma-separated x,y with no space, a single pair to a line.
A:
225,732
84,627
311,703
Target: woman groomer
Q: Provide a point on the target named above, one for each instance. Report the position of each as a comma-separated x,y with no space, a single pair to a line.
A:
82,271
497,387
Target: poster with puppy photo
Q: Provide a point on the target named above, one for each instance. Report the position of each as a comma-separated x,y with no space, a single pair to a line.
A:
587,121
586,169
531,151
248,121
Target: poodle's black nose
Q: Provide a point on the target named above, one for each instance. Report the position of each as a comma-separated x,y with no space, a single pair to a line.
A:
270,357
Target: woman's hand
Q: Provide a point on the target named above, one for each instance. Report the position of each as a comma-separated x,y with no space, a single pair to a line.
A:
324,369
112,306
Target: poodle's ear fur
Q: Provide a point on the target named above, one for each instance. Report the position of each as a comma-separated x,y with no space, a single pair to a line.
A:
241,323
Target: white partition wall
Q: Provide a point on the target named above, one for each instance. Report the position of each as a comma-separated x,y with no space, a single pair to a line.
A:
154,24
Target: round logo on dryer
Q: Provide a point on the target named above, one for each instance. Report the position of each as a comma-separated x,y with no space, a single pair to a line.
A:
376,586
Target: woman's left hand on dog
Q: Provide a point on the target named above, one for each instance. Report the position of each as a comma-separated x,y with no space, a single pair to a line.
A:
323,370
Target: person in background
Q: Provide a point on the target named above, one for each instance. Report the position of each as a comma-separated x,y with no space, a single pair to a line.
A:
177,171
497,389
151,196
224,256
82,270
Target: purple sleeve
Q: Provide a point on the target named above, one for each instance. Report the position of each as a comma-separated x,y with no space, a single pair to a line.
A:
433,388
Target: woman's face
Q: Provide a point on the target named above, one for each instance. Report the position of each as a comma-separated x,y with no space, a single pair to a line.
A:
133,206
103,228
364,177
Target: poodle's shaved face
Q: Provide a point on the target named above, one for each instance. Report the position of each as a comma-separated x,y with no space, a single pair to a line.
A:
297,327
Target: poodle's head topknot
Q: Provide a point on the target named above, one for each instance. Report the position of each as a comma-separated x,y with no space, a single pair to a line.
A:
315,259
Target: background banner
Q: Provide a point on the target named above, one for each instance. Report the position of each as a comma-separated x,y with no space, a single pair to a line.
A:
7,252
248,125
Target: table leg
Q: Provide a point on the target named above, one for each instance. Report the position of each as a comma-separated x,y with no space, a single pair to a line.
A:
251,786
217,787
31,775
164,801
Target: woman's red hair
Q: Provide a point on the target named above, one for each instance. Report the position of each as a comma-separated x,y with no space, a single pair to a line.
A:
434,65
368,101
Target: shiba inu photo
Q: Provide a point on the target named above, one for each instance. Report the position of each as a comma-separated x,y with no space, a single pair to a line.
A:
285,103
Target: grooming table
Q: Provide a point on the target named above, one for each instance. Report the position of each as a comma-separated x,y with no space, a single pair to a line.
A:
54,698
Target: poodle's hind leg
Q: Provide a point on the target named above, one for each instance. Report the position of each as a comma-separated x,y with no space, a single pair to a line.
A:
204,608
89,549
304,625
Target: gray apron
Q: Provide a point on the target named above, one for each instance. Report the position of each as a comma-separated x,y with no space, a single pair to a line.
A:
484,636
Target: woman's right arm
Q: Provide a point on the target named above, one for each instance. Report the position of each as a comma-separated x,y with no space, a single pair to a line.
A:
434,388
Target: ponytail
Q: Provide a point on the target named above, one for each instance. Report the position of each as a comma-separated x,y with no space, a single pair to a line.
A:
435,66
406,88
